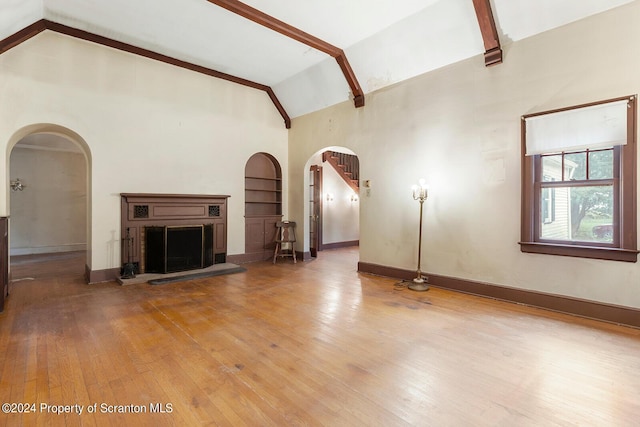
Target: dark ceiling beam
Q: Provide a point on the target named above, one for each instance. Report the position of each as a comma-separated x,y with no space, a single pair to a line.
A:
493,51
44,24
22,35
287,30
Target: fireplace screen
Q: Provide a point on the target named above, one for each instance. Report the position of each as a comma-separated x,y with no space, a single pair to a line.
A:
178,248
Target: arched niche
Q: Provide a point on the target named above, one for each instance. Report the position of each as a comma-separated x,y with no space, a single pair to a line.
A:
263,205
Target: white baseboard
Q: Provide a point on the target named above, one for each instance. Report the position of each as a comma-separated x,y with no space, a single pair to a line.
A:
72,247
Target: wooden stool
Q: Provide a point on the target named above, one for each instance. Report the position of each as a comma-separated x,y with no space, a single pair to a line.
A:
286,236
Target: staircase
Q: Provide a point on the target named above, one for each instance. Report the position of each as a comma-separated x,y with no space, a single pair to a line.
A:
347,166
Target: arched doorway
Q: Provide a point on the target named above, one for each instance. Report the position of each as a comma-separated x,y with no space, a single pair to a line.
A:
52,213
48,199
332,202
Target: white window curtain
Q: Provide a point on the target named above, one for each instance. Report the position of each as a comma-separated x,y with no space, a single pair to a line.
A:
597,126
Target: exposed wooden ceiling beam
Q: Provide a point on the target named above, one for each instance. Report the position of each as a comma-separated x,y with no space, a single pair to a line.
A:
44,24
493,51
22,35
287,30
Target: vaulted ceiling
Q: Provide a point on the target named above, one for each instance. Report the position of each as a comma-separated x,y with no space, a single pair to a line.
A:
306,55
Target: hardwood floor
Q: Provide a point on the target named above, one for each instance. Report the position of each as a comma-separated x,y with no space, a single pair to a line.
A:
313,343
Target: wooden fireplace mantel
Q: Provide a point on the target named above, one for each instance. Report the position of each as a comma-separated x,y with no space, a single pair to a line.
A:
140,210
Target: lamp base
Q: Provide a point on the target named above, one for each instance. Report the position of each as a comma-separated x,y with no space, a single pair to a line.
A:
418,284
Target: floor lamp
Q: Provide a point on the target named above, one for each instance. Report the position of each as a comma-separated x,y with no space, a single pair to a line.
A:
420,282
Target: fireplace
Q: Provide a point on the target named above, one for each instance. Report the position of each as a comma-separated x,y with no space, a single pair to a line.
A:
174,232
178,248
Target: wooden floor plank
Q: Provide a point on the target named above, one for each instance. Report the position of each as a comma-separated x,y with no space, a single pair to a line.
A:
312,343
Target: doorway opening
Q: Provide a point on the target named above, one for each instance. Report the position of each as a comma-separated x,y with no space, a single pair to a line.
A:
333,200
50,210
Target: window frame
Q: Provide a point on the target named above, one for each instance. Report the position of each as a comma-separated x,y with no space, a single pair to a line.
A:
624,246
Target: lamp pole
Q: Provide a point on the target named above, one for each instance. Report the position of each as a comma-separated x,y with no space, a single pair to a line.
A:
420,194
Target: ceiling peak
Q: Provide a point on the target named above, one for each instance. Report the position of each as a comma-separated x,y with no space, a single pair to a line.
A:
294,33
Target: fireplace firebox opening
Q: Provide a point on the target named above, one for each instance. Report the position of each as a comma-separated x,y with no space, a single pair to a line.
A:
170,249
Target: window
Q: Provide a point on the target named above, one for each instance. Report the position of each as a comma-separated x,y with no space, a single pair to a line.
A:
579,181
548,205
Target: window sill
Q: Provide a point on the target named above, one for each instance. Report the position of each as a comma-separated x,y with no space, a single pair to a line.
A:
605,253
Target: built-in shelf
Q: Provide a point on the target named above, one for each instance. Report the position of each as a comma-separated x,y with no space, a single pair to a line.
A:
263,205
264,202
263,188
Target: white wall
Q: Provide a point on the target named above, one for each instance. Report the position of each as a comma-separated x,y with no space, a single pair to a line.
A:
341,216
50,214
459,127
150,128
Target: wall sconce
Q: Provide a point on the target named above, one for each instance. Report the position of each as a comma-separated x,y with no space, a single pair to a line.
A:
17,185
354,197
329,197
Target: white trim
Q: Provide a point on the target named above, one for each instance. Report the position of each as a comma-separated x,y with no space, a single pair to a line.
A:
48,148
71,247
